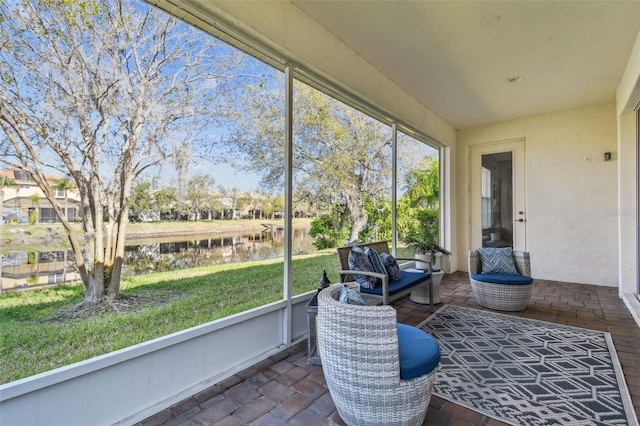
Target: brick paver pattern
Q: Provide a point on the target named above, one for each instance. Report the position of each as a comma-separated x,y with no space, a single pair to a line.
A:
286,390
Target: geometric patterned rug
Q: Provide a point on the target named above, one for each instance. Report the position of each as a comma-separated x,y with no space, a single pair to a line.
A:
528,372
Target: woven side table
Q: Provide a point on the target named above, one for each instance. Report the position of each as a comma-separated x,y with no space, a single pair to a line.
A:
421,294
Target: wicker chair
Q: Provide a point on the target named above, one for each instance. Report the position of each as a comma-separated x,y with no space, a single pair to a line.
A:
360,359
503,295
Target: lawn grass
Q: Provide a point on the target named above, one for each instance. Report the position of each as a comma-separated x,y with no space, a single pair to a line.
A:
36,334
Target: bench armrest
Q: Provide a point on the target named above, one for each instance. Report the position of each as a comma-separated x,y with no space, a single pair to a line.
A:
384,278
367,273
429,270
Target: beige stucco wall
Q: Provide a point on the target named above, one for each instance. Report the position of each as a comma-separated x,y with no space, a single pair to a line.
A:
627,97
571,202
627,209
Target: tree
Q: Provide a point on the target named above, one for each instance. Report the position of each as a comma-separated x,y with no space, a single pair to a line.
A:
33,216
141,201
423,184
101,90
164,200
65,185
245,200
277,205
198,196
34,198
251,200
340,155
236,200
324,232
378,226
260,201
421,198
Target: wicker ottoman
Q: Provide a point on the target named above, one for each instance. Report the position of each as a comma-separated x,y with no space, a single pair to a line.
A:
502,293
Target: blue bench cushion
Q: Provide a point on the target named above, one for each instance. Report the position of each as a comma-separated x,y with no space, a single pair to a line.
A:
509,279
419,352
407,280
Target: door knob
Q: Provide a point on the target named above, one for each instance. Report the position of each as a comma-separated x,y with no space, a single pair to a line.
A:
520,220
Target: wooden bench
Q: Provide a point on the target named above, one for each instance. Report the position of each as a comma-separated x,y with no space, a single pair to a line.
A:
388,291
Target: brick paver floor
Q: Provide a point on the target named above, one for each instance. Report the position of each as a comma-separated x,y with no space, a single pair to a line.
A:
285,390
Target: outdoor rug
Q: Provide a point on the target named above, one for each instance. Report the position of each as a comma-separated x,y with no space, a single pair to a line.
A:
528,372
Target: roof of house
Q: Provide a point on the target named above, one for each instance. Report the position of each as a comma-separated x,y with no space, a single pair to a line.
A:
20,176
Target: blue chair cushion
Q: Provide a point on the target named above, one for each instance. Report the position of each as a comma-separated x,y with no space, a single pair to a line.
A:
419,352
408,279
509,279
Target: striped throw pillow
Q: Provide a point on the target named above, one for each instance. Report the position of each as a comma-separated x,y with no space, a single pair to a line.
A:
497,260
374,258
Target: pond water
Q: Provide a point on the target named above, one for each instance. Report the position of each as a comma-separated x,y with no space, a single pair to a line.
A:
22,270
165,255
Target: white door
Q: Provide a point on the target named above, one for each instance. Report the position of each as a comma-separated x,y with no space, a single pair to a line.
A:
497,195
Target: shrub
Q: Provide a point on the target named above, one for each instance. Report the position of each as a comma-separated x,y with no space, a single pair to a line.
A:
324,233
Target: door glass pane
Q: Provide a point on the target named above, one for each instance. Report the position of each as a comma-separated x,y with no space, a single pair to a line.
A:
496,205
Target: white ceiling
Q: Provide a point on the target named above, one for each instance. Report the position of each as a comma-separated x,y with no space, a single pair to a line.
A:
456,56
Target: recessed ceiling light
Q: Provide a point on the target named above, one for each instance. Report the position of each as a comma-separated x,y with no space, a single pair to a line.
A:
490,20
514,79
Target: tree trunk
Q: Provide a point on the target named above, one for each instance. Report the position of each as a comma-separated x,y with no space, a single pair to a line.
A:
117,259
113,286
64,266
1,205
357,214
94,287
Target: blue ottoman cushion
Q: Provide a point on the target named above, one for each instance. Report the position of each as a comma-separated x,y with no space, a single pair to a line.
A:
509,279
419,352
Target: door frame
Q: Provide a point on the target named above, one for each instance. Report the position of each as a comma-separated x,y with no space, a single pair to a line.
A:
637,112
517,147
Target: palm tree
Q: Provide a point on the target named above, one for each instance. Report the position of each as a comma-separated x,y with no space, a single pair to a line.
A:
65,184
35,198
423,185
